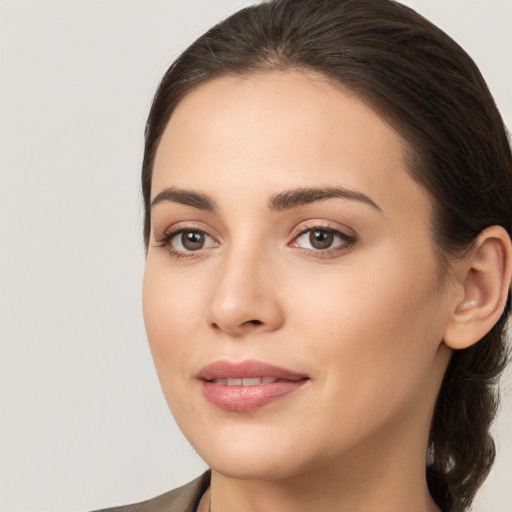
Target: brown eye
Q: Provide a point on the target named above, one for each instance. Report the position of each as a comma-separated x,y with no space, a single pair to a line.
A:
192,240
321,239
189,241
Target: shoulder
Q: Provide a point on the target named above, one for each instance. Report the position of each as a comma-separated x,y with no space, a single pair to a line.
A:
182,499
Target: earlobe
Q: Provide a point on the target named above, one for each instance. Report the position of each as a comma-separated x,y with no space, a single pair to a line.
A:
485,278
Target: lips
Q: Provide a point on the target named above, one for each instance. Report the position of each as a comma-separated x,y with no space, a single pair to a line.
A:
245,381
248,385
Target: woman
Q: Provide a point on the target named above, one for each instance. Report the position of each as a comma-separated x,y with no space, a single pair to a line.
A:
327,191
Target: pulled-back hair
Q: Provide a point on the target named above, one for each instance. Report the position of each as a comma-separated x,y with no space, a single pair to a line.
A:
431,92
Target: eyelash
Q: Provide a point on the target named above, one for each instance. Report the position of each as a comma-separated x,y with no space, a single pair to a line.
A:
348,241
166,238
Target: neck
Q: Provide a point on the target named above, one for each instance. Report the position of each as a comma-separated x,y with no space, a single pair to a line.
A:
387,480
334,492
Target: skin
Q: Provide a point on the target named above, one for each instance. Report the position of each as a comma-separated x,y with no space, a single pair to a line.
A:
364,320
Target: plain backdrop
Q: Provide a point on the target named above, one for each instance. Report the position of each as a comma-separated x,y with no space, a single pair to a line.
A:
83,423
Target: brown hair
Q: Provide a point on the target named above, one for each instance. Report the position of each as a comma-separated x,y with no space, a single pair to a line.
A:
432,93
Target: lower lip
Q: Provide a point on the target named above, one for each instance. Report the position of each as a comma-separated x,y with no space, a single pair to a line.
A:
248,398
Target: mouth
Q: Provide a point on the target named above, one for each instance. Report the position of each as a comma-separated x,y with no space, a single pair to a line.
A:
247,385
246,381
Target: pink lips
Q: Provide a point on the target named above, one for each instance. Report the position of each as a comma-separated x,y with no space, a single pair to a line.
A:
247,385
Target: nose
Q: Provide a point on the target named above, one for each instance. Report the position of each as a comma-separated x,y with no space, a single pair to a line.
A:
244,298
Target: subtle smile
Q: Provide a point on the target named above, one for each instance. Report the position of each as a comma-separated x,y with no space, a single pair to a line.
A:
248,385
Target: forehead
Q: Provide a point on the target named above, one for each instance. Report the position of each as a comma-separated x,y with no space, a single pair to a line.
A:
280,129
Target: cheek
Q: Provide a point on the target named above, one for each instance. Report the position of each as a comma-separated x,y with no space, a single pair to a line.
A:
172,309
374,331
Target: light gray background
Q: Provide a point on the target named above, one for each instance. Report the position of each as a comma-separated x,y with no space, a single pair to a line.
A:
83,423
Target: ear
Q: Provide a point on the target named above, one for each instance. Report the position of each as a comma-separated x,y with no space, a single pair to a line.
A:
484,277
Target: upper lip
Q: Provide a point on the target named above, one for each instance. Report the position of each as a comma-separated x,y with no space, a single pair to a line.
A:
224,369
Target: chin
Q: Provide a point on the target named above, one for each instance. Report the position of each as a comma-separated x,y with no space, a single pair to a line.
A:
248,452
258,453
253,467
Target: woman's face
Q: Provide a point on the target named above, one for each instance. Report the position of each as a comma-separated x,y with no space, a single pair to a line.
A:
290,248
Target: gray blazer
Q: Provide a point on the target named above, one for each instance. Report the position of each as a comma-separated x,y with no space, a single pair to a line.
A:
182,499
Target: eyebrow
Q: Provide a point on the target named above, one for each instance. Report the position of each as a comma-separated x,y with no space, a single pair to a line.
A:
285,200
178,195
299,196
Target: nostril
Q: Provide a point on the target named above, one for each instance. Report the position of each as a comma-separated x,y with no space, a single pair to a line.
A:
254,322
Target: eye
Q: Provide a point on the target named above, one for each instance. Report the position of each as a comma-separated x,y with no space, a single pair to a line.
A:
185,241
321,239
